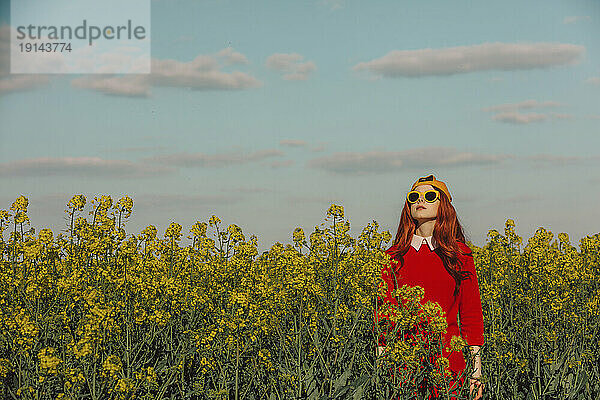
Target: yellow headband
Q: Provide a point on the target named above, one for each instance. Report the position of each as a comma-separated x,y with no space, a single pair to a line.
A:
430,180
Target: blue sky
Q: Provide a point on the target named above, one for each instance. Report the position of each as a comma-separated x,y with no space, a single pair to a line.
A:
270,111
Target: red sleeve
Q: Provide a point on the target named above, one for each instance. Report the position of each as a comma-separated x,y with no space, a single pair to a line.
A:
469,308
384,297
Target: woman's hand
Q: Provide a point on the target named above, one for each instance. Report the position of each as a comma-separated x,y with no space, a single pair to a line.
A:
380,352
475,384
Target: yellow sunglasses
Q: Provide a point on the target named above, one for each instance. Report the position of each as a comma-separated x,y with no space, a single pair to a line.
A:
430,196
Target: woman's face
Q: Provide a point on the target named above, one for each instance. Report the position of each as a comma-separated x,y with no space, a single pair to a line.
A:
421,210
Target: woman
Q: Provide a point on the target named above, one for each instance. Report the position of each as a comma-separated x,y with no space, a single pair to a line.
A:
429,251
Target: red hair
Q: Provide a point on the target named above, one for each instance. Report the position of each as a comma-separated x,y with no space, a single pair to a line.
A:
448,235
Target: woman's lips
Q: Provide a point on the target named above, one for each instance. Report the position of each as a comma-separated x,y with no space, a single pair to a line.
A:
420,208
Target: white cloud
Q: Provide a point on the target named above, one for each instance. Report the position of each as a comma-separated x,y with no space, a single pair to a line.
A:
510,112
302,143
372,162
464,59
593,80
319,148
390,161
213,160
333,4
555,159
80,166
15,82
562,116
291,65
129,85
135,149
523,105
293,143
282,61
574,19
281,163
232,57
201,73
518,118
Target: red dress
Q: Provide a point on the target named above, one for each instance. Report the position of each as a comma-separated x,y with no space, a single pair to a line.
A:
425,268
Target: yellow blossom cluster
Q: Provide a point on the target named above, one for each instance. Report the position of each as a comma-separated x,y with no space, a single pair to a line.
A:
540,305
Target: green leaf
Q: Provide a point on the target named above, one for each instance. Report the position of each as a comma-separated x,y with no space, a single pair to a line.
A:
341,380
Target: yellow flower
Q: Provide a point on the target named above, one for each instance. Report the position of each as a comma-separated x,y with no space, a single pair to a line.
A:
4,367
214,221
77,202
124,385
45,236
235,233
4,215
173,231
112,365
336,211
125,206
298,236
199,229
149,232
48,361
457,343
20,204
442,363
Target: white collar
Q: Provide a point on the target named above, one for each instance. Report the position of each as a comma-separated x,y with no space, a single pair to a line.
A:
418,240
